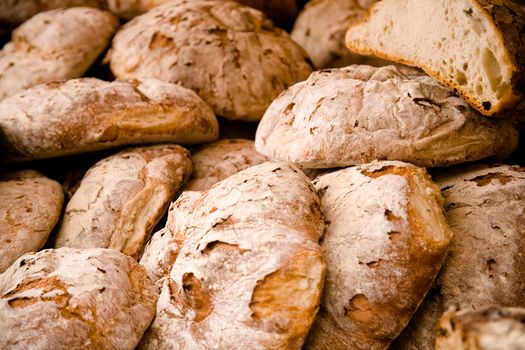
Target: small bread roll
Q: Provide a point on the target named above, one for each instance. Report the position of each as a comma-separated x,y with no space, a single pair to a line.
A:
384,242
75,299
87,114
228,53
216,161
122,197
249,273
55,45
358,114
30,206
486,329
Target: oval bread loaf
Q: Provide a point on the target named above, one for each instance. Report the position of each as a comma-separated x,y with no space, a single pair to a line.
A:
230,54
30,206
55,45
249,274
75,299
122,197
485,265
87,114
358,114
384,242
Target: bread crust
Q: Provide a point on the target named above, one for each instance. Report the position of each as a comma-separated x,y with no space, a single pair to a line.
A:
237,285
384,241
87,114
212,47
75,299
30,206
122,197
55,45
357,114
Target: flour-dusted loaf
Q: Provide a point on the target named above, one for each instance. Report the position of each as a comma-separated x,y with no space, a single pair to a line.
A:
230,54
164,246
30,206
75,299
321,27
384,242
485,265
476,47
358,114
249,273
88,114
122,197
216,161
485,329
55,45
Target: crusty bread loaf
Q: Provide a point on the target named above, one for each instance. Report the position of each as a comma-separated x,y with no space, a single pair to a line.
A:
164,246
30,206
14,12
230,54
122,197
75,299
384,242
321,27
358,114
55,45
485,266
88,114
485,329
249,274
216,161
476,47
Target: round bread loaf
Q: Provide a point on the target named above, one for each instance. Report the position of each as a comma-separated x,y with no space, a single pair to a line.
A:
75,299
30,206
55,45
88,114
230,54
485,265
249,274
358,114
122,197
217,161
384,242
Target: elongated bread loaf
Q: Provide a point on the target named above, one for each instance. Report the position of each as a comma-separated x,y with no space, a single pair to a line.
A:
88,114
55,45
485,266
30,206
476,47
228,53
385,240
122,197
357,114
238,283
75,299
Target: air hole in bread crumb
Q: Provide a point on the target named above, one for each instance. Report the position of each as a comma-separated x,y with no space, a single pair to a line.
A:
491,264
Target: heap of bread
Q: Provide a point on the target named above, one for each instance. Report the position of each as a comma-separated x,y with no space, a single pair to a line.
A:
185,174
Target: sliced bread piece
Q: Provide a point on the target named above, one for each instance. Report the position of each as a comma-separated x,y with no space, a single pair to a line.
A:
473,46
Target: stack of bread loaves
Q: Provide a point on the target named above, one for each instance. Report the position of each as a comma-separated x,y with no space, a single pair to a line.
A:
175,174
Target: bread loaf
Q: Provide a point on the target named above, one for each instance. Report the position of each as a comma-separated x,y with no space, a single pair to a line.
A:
476,47
485,329
384,242
485,265
75,299
88,114
122,197
358,114
216,161
55,45
30,206
249,274
230,54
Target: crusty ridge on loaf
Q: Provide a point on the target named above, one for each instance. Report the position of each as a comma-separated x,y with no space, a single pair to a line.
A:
473,46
